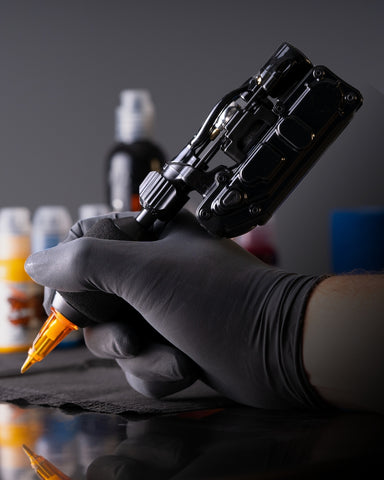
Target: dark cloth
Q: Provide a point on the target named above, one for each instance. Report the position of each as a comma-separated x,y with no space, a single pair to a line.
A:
74,378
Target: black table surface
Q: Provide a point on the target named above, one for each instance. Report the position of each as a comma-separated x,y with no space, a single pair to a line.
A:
223,443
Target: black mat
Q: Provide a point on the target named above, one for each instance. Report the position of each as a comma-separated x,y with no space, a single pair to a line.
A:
74,378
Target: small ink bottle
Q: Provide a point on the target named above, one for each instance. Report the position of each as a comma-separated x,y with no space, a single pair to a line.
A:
134,154
50,226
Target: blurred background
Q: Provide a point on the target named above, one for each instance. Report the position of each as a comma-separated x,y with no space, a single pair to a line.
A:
64,63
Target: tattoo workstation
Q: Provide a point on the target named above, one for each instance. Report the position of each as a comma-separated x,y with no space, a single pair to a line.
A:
220,416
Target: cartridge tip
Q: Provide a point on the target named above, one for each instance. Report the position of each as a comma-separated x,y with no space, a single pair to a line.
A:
27,364
28,451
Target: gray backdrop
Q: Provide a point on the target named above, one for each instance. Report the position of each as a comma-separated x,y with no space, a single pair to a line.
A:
63,64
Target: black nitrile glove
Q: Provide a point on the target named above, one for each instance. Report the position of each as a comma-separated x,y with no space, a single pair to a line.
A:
239,320
153,367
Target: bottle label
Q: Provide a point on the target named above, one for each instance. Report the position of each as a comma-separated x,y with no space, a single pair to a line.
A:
19,314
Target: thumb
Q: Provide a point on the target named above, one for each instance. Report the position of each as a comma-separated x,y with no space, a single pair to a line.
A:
84,264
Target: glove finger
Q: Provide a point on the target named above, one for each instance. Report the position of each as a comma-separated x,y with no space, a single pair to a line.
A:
77,230
65,266
159,370
183,221
113,339
80,228
89,263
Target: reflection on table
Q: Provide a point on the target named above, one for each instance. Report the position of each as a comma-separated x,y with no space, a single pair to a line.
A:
232,443
69,441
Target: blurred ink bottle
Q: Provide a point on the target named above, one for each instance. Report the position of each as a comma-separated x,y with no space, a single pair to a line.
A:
50,226
19,294
134,154
17,426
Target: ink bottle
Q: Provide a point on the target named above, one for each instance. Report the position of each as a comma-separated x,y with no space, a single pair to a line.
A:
50,226
134,153
19,294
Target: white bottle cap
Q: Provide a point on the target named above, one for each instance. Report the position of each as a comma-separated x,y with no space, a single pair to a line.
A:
90,210
15,221
134,116
50,226
15,228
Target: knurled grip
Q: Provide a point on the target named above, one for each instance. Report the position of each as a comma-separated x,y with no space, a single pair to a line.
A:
157,194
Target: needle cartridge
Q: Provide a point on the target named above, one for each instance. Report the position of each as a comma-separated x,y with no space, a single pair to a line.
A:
55,328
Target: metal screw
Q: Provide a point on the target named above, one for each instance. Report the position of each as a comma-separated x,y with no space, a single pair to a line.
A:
254,209
279,108
204,214
318,72
350,97
222,177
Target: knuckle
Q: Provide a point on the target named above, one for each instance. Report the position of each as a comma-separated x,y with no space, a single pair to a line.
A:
82,257
76,231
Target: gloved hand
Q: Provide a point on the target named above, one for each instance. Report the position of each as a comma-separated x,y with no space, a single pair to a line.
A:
237,319
152,366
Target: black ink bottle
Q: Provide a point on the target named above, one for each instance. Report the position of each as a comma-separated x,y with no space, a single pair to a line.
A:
134,153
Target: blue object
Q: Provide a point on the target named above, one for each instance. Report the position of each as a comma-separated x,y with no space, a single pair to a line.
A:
357,240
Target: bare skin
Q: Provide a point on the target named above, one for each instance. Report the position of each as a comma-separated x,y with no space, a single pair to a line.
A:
343,343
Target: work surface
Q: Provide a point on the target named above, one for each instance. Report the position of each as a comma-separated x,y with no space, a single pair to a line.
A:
74,378
78,412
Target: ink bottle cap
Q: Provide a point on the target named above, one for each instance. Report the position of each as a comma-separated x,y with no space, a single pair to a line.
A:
90,210
15,229
50,226
134,117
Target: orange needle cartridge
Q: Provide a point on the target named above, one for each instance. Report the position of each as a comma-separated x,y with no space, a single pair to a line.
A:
51,334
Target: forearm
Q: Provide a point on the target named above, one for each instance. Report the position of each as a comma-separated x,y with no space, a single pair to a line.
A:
343,341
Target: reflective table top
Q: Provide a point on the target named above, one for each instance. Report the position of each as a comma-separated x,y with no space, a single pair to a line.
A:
231,443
